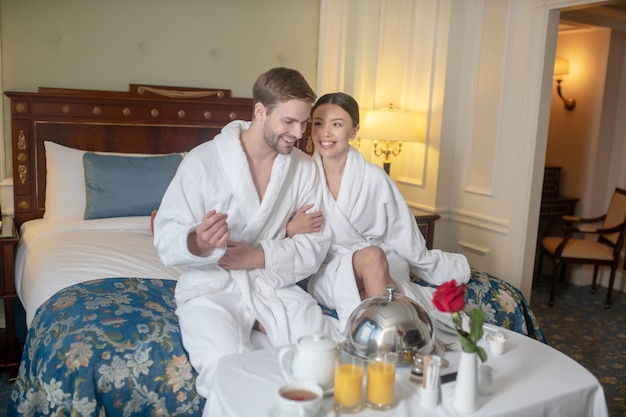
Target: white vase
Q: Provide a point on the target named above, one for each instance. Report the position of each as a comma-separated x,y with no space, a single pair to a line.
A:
466,390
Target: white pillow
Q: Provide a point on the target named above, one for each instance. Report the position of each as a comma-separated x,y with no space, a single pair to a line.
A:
65,182
66,196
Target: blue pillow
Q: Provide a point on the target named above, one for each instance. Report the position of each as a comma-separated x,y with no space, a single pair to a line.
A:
120,186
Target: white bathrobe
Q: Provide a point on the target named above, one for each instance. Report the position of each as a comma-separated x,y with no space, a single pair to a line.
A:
217,308
370,210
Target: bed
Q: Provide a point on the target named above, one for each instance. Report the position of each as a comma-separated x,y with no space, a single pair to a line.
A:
102,336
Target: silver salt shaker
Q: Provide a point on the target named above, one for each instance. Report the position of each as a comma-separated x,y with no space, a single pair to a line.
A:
417,369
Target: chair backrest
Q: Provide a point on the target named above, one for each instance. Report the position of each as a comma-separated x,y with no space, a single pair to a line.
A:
615,215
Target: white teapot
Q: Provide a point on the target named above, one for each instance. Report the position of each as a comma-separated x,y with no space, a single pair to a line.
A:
313,360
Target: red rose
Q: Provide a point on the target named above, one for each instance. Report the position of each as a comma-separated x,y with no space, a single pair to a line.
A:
449,298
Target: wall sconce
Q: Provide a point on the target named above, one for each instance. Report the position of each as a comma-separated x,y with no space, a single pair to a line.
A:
388,125
561,67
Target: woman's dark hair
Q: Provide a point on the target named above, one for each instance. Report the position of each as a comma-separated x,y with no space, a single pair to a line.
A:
344,101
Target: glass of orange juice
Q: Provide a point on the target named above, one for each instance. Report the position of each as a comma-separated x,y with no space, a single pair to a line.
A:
381,376
349,370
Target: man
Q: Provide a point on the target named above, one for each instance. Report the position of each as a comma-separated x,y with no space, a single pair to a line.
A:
224,216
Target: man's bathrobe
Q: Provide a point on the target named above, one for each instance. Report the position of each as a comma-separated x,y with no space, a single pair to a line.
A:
217,308
370,210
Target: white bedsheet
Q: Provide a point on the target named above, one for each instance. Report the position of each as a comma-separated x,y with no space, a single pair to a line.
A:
54,254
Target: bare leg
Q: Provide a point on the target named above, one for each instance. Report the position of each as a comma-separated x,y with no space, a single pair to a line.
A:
371,271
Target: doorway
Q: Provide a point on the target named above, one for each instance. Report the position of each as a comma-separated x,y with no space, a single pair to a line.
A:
588,142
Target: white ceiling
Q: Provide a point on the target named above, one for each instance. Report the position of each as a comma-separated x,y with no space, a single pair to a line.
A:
611,14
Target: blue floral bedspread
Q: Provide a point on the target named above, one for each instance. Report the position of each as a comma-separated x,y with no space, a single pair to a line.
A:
113,347
503,304
107,347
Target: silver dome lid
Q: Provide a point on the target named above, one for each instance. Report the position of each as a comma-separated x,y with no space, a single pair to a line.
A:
390,322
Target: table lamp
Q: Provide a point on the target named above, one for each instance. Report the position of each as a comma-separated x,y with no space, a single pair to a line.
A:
388,125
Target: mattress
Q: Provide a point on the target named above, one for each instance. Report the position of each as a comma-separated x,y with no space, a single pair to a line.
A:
55,254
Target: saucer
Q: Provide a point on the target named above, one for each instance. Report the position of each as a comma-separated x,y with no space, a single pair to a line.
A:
275,411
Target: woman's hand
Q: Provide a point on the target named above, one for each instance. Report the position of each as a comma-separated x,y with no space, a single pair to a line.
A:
303,222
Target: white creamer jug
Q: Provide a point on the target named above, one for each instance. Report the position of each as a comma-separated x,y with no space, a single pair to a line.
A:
313,360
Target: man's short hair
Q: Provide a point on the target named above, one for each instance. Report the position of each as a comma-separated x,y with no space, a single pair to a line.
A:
278,85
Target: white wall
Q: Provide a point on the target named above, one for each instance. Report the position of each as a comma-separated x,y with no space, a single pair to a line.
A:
110,44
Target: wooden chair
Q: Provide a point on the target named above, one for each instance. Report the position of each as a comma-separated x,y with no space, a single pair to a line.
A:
605,250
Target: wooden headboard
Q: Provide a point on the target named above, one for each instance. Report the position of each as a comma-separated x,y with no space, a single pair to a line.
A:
146,119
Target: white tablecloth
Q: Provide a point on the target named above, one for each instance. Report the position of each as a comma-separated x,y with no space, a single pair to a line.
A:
530,379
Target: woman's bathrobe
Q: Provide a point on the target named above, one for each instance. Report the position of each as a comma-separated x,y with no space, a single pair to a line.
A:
370,210
217,308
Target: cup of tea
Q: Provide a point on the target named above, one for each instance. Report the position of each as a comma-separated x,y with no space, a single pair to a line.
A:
302,399
381,376
348,394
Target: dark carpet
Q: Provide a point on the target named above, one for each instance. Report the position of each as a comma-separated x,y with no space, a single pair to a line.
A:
5,392
578,325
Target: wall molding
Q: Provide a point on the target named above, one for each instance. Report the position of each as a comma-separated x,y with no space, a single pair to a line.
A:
470,247
478,221
478,256
473,219
410,181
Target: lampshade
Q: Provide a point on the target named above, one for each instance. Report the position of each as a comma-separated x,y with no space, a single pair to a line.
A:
561,66
389,125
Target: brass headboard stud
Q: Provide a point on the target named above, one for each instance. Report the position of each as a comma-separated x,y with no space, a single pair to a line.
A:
22,172
21,157
21,141
181,113
126,111
23,205
19,107
207,114
232,115
154,113
97,110
65,109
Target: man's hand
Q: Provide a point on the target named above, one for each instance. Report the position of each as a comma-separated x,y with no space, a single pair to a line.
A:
212,233
240,255
303,222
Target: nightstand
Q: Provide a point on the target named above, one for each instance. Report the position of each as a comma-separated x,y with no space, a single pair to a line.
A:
426,223
8,240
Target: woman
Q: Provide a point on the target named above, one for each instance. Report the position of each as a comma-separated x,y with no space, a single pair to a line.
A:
376,241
